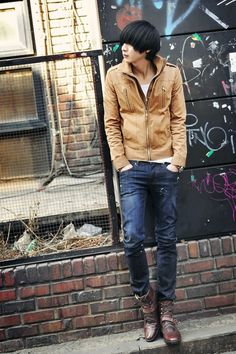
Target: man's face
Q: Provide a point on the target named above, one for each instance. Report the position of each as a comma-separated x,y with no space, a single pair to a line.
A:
131,55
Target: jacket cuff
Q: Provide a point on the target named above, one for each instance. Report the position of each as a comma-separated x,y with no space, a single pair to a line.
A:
120,162
178,161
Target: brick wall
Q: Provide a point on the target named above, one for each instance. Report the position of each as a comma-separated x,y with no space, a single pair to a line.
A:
54,302
64,26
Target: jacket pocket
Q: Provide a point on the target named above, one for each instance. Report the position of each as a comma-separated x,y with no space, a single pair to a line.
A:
127,100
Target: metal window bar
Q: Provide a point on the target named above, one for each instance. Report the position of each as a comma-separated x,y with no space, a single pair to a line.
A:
40,139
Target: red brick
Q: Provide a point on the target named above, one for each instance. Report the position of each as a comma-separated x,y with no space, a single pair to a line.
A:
2,336
226,261
51,327
38,316
87,296
88,321
22,331
193,249
32,274
53,301
67,286
234,242
122,316
112,261
227,245
95,282
89,265
215,245
122,264
199,266
77,267
19,306
182,251
100,281
20,275
106,330
153,272
216,276
74,311
104,306
123,277
7,321
66,269
42,290
204,248
188,306
7,295
100,263
129,326
30,291
8,275
109,279
44,273
15,344
229,287
220,301
55,271
128,302
26,292
180,294
151,259
188,280
117,291
201,291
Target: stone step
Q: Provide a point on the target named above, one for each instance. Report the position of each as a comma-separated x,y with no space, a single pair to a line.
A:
215,335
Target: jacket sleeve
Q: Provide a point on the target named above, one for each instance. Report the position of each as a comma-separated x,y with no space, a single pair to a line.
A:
113,124
177,124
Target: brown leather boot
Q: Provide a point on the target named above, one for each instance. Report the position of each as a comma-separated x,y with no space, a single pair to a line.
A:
148,303
169,330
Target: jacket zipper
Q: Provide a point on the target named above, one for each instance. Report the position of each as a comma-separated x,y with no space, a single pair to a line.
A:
147,131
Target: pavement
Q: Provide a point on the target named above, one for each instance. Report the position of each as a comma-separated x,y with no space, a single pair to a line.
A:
212,335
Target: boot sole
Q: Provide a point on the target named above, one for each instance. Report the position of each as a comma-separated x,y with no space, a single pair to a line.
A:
174,342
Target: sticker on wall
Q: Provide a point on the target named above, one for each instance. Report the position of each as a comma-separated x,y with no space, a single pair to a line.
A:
232,59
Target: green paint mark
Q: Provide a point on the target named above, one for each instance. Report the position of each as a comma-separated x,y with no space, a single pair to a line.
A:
210,153
116,46
196,37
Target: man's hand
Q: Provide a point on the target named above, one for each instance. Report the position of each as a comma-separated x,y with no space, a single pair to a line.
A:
172,168
126,168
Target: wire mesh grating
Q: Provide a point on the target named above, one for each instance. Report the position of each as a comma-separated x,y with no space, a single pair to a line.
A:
53,179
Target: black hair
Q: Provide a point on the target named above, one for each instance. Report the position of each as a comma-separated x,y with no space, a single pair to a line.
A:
143,36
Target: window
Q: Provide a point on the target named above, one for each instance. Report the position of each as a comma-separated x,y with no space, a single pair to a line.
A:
15,29
24,139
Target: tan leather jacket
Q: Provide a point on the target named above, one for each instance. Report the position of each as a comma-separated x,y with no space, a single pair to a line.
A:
140,128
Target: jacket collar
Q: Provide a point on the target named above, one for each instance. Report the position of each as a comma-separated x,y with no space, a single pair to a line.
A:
127,68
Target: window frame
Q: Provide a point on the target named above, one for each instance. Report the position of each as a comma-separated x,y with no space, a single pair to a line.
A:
24,44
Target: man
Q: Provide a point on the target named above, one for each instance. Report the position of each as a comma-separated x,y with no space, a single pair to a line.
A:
145,126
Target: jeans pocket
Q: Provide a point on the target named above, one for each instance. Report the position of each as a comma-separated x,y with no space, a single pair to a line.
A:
174,172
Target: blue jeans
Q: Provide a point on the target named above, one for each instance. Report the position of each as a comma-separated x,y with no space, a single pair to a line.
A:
147,179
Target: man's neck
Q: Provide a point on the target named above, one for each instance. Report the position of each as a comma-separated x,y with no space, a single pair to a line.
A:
144,71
